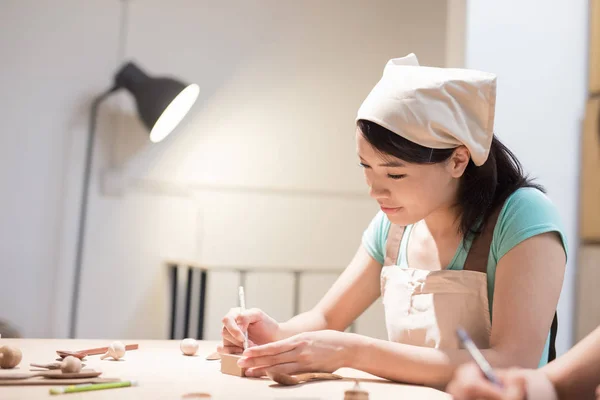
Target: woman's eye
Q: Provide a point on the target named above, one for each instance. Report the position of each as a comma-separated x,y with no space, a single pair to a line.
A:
363,165
396,177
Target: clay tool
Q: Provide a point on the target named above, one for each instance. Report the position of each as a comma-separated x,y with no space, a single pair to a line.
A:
65,353
291,380
52,374
356,393
242,310
51,366
92,352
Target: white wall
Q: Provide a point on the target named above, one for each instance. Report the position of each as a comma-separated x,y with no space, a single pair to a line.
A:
263,173
539,52
51,62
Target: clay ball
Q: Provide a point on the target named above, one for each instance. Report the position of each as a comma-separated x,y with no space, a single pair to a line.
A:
189,346
10,357
70,365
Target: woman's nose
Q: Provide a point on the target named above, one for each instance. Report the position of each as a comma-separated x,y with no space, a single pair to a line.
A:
378,191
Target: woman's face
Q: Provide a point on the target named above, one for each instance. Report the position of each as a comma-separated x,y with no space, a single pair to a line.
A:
407,192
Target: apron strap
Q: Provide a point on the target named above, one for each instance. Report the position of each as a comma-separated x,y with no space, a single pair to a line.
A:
553,333
392,244
479,252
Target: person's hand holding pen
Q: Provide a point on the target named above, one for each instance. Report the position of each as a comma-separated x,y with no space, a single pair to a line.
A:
470,383
244,328
478,381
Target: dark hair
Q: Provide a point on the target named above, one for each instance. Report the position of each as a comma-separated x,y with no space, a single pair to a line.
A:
482,189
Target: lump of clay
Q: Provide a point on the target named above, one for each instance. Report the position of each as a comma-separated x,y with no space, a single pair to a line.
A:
70,365
189,346
116,350
10,357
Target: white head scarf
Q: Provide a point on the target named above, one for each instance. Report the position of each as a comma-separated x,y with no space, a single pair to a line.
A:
440,108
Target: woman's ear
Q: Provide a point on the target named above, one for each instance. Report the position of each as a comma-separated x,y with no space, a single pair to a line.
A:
458,161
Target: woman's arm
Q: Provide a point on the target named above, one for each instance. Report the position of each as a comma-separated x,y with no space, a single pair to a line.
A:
527,287
352,293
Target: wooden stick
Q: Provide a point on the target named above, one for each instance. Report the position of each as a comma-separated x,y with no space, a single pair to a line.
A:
53,374
102,350
96,351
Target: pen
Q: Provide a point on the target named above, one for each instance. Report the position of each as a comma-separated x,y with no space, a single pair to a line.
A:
242,310
479,359
86,387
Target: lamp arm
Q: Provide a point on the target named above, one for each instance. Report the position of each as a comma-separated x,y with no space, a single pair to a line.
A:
83,207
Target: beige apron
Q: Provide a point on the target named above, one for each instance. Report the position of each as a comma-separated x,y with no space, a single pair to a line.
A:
424,308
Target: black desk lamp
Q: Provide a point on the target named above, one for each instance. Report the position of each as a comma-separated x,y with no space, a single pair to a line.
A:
162,103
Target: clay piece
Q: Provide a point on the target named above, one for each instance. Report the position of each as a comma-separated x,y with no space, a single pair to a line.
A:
229,365
189,346
10,357
70,365
116,350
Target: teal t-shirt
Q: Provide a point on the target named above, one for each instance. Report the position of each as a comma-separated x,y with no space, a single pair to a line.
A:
526,213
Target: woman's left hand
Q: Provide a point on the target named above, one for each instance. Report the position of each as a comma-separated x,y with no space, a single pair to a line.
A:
321,351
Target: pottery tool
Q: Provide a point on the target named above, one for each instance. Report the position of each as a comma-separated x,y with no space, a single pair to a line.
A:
356,393
242,310
93,386
291,380
56,374
50,366
479,359
92,352
64,354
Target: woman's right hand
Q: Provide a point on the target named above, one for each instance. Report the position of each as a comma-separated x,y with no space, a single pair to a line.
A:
518,384
470,384
261,329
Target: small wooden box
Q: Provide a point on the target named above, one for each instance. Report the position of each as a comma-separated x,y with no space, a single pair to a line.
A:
229,365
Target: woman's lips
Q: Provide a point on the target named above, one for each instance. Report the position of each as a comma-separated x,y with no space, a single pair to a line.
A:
390,210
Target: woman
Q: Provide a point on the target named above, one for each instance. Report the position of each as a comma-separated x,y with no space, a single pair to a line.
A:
575,375
450,195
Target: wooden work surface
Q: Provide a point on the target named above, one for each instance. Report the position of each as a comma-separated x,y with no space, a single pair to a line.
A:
164,373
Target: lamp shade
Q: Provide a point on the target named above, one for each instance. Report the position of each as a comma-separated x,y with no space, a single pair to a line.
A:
162,102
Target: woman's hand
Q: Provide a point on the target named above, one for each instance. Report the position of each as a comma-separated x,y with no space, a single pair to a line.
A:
321,351
517,384
261,329
470,384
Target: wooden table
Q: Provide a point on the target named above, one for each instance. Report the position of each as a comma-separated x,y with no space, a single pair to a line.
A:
163,372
